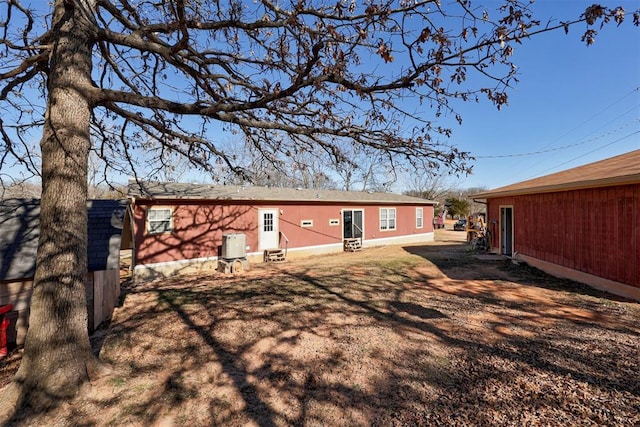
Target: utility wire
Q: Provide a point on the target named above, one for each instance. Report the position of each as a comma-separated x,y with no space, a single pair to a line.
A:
590,119
499,156
585,154
545,148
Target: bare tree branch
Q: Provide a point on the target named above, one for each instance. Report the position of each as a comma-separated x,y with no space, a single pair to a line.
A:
132,85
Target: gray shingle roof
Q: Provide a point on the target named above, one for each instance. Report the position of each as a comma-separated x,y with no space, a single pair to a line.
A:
19,232
185,191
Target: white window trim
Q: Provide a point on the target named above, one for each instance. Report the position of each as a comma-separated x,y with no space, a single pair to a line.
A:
159,208
334,222
388,219
306,223
420,217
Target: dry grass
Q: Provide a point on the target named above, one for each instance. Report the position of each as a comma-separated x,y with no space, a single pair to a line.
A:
422,335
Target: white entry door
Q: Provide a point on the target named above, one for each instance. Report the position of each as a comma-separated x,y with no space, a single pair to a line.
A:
268,236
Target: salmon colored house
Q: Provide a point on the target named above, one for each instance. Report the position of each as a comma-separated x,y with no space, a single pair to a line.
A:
180,227
582,223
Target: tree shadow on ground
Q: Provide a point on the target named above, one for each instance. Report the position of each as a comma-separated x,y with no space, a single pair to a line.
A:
380,341
458,261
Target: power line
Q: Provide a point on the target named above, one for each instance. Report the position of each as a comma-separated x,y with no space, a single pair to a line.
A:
532,153
585,154
546,148
636,89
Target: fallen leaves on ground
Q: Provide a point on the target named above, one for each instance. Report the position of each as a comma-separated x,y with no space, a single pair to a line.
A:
416,335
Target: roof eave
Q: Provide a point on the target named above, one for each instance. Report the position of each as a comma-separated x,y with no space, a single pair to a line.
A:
579,185
164,198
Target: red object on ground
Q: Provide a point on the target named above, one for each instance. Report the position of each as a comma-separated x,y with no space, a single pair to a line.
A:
4,325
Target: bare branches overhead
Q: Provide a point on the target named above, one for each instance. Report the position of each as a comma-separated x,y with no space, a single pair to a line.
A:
280,74
138,84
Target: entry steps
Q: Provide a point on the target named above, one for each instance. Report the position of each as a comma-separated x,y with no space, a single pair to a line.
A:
274,255
352,245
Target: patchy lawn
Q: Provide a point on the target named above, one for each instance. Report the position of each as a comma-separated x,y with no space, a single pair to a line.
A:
418,335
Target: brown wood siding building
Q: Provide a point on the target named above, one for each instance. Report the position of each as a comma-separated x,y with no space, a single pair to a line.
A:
593,230
583,223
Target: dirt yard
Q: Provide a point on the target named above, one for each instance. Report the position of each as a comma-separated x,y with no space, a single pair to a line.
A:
395,336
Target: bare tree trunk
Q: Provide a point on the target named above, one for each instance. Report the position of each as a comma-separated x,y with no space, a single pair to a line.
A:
57,357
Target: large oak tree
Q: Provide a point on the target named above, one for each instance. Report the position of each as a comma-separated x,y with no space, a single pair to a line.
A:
137,81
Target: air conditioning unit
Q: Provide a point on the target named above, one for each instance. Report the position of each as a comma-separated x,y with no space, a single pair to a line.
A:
234,246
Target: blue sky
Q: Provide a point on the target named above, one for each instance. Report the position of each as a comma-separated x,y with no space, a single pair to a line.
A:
569,95
585,98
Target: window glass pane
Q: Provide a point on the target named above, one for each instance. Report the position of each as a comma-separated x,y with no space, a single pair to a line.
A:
158,220
384,214
268,222
159,226
153,227
388,219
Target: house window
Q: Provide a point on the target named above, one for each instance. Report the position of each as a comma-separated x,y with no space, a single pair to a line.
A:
159,220
268,221
419,217
387,219
306,223
334,222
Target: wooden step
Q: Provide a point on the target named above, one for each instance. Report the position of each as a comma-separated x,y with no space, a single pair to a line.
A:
274,255
352,245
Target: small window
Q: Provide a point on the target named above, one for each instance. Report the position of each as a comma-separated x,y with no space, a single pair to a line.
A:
159,220
419,221
268,222
334,222
306,223
387,219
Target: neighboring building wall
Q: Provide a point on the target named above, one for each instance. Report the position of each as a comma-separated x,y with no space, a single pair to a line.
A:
594,231
19,234
102,292
198,229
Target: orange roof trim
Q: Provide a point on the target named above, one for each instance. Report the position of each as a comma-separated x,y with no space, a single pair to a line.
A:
619,170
